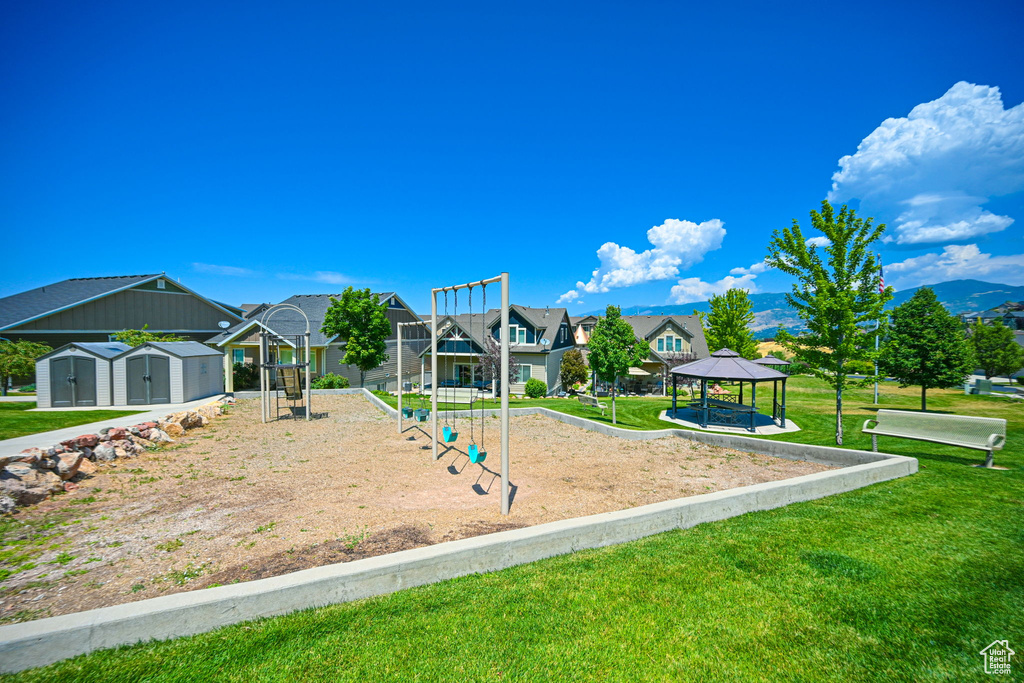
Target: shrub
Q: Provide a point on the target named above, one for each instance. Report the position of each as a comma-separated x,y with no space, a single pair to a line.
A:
860,367
245,376
330,381
535,388
28,388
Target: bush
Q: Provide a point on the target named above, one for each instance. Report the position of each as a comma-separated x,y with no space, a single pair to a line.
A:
29,388
860,367
245,376
330,381
535,388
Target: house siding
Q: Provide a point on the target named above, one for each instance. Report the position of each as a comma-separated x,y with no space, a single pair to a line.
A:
386,373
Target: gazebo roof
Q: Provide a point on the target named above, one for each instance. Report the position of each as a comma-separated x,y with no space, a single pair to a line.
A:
727,364
771,360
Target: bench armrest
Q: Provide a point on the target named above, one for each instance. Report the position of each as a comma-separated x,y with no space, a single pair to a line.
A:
996,441
868,422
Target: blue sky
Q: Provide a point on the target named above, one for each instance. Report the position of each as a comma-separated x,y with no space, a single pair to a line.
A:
257,150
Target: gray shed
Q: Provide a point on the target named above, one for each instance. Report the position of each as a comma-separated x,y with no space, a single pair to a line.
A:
77,374
167,372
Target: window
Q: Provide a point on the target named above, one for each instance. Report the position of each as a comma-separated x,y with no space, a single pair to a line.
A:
661,343
161,284
517,335
679,344
525,372
238,356
668,342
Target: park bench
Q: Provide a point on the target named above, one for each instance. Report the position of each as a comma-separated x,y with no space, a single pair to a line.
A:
980,433
592,402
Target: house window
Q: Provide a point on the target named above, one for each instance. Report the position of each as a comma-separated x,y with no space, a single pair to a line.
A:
668,342
525,372
161,284
238,356
661,343
517,335
679,344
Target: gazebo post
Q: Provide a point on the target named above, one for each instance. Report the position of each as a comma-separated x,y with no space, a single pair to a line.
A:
753,406
741,392
783,403
673,395
704,401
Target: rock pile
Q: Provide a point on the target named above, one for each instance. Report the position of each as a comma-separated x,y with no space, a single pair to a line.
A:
34,474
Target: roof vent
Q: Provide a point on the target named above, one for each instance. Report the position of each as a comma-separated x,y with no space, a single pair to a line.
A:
546,311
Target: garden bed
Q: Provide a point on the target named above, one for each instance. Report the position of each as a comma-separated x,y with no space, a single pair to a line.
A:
240,500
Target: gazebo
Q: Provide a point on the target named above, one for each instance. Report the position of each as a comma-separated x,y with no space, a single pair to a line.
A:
729,409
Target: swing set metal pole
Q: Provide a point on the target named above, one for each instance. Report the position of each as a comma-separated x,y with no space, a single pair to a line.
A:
433,372
504,393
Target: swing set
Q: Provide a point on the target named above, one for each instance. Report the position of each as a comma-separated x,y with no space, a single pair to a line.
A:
450,434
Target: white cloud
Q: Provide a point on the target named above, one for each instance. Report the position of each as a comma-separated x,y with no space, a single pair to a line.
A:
676,245
755,269
569,297
936,167
819,241
326,276
232,271
956,262
694,289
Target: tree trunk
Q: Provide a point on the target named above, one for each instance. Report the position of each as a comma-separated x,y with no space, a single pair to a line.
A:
924,401
5,379
613,403
362,379
839,417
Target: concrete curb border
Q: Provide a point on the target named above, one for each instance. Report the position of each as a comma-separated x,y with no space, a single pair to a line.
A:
44,641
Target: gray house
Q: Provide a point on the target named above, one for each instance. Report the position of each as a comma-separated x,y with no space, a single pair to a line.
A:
240,343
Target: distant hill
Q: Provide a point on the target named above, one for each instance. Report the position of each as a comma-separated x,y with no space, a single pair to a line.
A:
771,310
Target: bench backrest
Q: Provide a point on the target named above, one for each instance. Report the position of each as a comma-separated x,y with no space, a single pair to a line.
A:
951,427
590,400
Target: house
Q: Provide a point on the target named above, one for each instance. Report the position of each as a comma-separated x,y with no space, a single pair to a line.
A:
241,343
538,337
93,309
673,340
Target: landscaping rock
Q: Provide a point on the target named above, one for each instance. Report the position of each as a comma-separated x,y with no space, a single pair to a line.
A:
134,431
28,485
86,467
120,451
83,441
159,436
7,504
105,452
67,465
70,486
172,429
143,443
47,463
117,433
149,425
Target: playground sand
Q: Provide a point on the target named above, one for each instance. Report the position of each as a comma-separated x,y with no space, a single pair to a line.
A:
240,500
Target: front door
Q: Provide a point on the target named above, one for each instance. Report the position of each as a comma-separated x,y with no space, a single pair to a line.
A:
149,379
72,382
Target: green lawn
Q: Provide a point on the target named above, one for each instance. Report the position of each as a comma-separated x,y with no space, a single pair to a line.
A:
901,581
15,420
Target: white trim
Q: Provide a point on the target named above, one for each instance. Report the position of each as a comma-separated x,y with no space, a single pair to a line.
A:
107,331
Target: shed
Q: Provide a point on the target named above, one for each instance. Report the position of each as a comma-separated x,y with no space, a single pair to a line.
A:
167,372
77,374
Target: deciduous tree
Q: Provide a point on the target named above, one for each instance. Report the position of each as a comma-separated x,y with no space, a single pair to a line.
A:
573,369
727,324
925,346
995,349
359,320
18,359
135,338
614,349
838,295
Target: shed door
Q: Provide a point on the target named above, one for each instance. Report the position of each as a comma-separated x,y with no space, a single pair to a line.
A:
61,395
159,379
138,388
84,383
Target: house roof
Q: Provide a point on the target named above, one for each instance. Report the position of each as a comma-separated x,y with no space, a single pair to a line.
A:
542,320
102,349
727,364
35,303
289,323
181,349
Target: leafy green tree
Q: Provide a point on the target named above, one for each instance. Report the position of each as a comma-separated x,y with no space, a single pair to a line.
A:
573,369
18,359
614,349
996,349
925,346
837,296
727,324
135,338
359,320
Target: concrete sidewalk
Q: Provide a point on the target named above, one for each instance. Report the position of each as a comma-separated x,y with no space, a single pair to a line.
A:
47,439
18,399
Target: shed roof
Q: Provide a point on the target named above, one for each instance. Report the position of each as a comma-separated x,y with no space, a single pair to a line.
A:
727,364
101,349
182,349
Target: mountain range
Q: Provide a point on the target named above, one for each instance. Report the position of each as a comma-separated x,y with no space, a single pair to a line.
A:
771,310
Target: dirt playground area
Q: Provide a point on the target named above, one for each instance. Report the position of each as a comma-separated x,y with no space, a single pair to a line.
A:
241,500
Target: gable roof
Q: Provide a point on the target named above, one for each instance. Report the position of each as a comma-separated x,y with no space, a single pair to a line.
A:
102,349
727,364
181,349
646,325
35,303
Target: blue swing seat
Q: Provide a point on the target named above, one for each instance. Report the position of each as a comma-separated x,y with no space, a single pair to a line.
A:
449,435
406,412
422,414
475,454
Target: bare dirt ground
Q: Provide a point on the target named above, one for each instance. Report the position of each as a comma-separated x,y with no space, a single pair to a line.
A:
240,500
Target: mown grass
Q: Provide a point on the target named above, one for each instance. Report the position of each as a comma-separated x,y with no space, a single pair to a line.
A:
15,420
901,581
